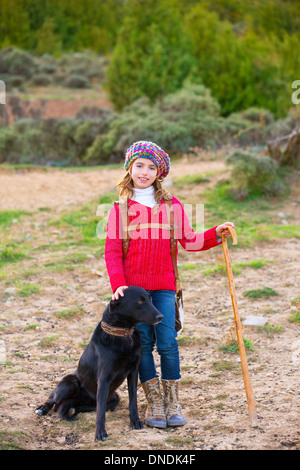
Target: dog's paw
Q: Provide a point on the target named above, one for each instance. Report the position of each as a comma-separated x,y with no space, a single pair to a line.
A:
137,424
101,436
41,410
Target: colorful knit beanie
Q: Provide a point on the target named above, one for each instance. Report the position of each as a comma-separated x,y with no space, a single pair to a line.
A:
153,152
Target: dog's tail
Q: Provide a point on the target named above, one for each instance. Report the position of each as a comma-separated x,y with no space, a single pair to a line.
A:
76,399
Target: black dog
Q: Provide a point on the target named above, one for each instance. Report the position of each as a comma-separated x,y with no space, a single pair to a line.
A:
112,355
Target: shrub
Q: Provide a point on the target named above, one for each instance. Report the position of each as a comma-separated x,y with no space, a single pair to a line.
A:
250,126
10,144
17,62
51,141
41,79
253,175
76,81
176,122
16,80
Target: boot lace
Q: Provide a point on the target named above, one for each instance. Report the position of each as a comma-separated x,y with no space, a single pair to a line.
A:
156,401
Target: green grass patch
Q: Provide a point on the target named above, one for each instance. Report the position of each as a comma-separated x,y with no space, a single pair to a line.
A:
33,326
255,264
188,180
232,347
27,289
253,217
296,302
223,365
208,269
295,317
82,224
8,217
70,313
10,253
263,293
49,341
269,330
67,262
184,340
11,440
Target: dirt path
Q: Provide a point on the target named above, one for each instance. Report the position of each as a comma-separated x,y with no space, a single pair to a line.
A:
39,346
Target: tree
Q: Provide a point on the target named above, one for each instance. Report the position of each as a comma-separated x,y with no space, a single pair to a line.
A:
152,56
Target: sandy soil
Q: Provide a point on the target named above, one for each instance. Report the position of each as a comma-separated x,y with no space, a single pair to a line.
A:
37,347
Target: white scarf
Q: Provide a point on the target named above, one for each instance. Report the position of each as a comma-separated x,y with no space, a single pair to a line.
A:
145,196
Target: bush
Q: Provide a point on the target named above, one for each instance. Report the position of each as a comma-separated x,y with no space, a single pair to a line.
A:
17,62
16,81
76,81
41,80
50,141
10,144
176,122
253,175
247,127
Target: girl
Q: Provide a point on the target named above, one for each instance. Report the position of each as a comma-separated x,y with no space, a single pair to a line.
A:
148,264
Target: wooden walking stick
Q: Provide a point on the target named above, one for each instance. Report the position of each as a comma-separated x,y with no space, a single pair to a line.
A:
239,332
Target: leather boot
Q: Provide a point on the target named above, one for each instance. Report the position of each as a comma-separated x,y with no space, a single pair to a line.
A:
155,413
172,407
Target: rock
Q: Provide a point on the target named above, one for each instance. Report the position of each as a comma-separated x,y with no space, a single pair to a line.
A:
2,351
224,446
10,290
255,321
99,273
71,288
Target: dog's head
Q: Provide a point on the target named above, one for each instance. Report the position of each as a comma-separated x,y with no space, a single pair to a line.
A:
136,306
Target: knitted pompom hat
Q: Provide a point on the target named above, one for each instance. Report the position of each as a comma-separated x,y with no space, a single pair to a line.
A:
153,152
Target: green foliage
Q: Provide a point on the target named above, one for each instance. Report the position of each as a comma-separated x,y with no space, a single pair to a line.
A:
176,122
241,70
246,52
7,217
232,347
152,56
9,253
295,317
69,313
265,292
52,26
253,175
57,141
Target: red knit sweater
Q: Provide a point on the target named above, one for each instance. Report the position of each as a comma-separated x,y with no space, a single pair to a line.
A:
148,263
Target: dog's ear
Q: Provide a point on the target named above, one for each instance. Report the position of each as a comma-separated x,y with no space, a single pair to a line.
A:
114,303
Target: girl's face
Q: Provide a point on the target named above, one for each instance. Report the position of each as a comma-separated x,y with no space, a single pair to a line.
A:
143,173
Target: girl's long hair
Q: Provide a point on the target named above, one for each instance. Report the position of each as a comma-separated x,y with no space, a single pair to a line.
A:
125,188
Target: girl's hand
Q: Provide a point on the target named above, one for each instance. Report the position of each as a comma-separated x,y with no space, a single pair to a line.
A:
223,230
119,291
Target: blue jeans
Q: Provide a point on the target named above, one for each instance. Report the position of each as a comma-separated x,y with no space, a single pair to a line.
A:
164,335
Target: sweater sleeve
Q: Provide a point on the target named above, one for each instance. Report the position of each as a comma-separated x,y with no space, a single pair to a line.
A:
188,239
114,251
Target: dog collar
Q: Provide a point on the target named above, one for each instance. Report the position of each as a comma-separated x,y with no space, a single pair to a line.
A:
114,331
